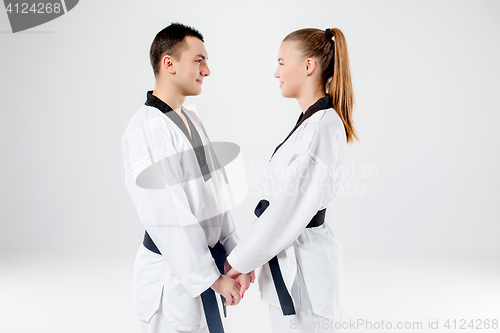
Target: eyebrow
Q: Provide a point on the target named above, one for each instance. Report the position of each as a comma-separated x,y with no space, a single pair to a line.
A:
202,56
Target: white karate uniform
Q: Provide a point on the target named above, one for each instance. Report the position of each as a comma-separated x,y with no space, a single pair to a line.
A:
160,323
304,321
183,214
304,174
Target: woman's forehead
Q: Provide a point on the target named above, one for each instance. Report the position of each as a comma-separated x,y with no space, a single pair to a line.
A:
288,49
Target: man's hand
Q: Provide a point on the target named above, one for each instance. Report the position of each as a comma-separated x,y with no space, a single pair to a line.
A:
229,288
227,267
244,280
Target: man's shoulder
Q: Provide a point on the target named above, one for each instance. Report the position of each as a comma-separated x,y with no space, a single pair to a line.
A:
144,115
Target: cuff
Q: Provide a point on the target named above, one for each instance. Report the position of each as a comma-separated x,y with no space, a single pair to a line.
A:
237,264
195,289
230,242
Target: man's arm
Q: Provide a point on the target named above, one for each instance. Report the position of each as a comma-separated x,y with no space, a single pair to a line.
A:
163,206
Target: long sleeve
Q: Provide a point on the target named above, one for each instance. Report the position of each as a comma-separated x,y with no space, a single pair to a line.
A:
289,212
163,205
184,248
228,236
309,184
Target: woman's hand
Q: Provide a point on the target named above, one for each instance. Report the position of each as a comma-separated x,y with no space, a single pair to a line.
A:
252,276
244,280
229,288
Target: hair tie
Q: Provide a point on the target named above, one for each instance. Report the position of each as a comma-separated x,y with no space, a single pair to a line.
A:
329,34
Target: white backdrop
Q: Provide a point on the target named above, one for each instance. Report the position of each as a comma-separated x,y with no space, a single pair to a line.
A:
424,177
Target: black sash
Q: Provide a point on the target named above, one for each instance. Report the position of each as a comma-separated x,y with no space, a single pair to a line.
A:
283,294
210,307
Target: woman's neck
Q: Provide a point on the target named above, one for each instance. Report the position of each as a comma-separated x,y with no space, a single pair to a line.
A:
309,99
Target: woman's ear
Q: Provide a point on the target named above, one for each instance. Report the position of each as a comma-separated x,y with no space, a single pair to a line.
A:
310,65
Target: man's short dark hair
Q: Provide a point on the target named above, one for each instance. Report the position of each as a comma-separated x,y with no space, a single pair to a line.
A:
170,41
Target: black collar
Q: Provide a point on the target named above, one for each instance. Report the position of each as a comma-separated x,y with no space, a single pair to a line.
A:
152,100
194,138
321,104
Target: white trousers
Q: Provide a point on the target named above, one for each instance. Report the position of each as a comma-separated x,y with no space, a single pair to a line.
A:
160,324
304,321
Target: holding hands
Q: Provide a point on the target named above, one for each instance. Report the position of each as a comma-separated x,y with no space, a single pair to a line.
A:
244,280
233,285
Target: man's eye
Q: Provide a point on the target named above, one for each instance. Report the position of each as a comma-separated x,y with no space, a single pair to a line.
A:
198,61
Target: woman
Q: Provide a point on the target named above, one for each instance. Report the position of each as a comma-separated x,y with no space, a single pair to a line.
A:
301,274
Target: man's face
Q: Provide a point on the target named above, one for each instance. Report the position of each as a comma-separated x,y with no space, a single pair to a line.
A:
191,68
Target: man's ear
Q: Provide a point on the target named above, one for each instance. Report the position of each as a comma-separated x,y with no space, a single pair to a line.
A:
310,65
168,64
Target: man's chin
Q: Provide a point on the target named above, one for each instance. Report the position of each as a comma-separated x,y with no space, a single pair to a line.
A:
194,93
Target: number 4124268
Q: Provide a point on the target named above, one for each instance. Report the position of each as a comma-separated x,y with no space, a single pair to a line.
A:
36,8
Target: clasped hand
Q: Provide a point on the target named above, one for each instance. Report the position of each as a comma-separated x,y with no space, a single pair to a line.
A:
233,284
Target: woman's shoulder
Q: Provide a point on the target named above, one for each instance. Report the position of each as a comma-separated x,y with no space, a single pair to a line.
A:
330,120
321,125
322,137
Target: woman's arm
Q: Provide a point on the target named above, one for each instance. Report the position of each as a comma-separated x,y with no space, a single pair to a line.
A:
286,217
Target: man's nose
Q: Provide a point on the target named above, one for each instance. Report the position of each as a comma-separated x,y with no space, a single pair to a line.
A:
205,71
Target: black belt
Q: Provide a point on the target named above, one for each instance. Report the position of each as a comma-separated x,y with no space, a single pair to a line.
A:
208,298
283,294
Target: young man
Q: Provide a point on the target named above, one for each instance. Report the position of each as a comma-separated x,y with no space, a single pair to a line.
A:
180,193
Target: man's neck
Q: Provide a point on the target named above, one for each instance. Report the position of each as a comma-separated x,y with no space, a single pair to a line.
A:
169,95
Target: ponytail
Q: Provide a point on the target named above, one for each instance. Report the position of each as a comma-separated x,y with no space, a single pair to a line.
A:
336,75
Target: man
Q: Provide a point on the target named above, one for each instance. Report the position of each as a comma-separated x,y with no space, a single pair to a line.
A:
180,193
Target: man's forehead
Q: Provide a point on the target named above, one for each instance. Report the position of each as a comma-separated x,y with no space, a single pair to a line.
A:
196,47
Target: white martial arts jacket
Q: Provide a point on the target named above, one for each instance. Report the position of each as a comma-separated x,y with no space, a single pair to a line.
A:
181,210
304,174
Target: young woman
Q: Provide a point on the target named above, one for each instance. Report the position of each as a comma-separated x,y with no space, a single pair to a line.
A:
301,274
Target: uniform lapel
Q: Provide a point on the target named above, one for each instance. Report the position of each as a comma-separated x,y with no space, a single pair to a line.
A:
194,139
321,104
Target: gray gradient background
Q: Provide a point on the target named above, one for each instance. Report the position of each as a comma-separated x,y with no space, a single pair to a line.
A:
425,76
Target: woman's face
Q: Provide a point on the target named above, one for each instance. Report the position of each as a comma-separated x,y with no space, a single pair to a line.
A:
291,71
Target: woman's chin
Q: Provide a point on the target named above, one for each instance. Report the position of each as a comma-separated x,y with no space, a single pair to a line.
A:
284,93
